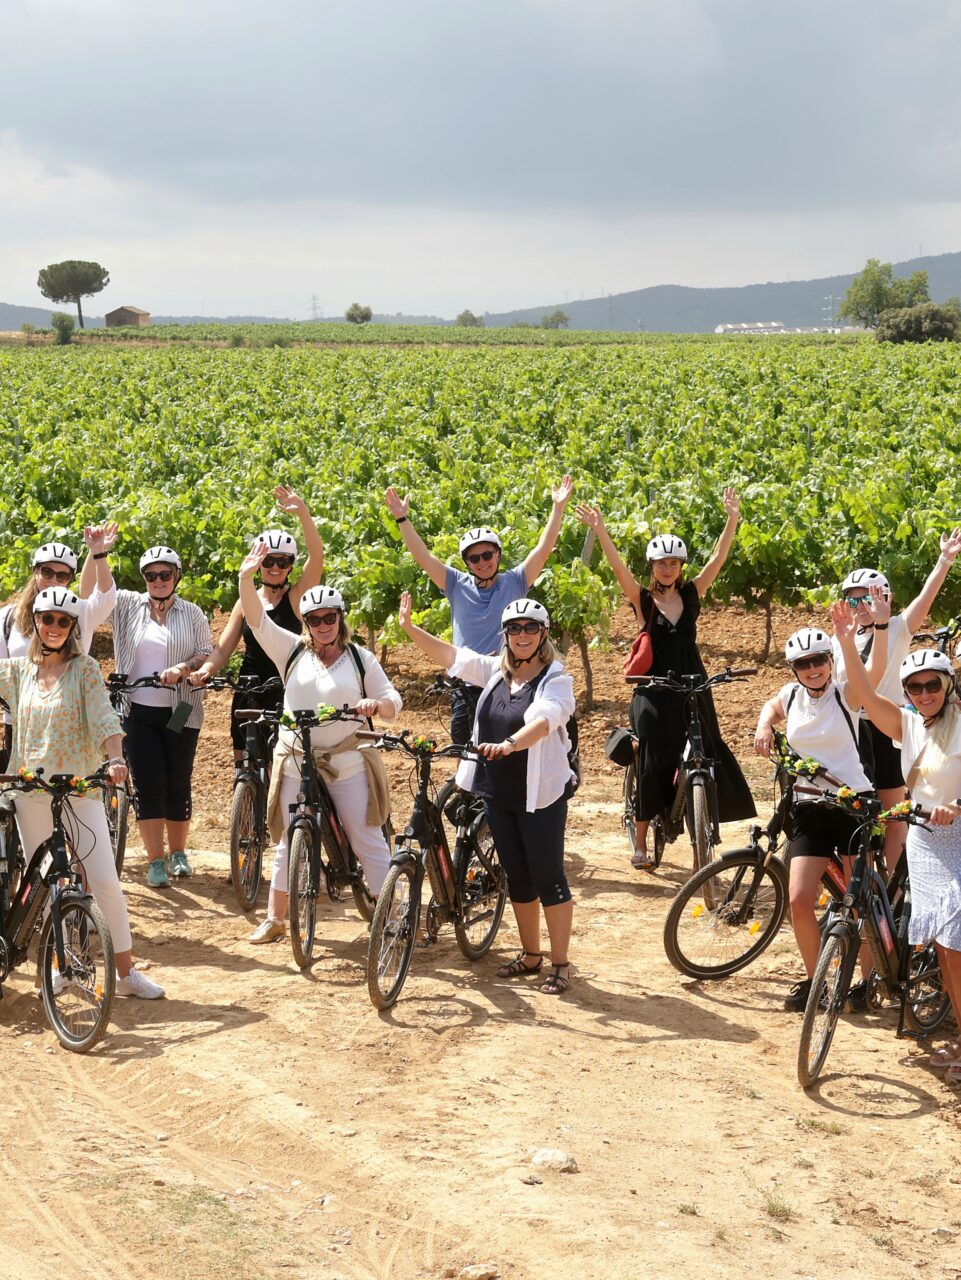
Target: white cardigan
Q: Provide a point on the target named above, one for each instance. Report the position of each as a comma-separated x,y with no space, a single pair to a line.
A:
548,769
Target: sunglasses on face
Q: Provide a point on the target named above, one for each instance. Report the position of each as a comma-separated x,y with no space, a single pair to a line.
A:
55,575
158,575
817,660
322,619
854,601
915,687
276,562
59,620
522,628
478,556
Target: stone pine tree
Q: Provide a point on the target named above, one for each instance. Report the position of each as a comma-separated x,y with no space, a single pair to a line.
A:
71,281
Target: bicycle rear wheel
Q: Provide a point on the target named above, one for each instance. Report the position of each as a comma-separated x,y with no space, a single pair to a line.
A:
393,933
246,845
116,804
926,1005
302,897
750,903
481,891
629,811
702,837
364,900
829,990
78,999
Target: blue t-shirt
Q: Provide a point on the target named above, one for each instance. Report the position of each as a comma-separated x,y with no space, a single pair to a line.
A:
476,614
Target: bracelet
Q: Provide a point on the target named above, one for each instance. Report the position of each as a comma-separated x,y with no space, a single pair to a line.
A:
511,741
100,555
881,626
400,519
945,560
117,760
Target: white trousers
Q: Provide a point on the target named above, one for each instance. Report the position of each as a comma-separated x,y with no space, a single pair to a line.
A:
350,800
86,826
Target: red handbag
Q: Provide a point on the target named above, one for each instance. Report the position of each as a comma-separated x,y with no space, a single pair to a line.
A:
641,657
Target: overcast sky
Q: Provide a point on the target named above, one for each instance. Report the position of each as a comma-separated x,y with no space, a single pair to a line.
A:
242,156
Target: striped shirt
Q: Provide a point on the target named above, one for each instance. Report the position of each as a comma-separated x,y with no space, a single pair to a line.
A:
188,633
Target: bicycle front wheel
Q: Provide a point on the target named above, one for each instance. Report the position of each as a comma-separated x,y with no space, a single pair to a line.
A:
364,900
829,990
702,837
116,804
750,903
302,897
481,891
926,1004
246,845
78,998
393,933
629,811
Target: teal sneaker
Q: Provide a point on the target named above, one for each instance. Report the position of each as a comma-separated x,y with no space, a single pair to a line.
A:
179,866
157,874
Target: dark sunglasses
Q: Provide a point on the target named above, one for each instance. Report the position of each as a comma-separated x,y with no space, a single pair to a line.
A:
277,562
478,556
817,660
158,575
55,575
922,686
522,628
854,601
322,619
59,620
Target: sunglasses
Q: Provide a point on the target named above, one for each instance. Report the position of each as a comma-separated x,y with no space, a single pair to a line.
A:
322,619
59,620
817,660
854,601
522,628
478,556
158,575
276,562
55,575
914,687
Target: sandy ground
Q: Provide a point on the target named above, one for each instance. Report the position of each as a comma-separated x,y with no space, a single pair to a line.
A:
263,1122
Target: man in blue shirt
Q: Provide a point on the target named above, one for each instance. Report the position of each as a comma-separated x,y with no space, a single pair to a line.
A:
478,596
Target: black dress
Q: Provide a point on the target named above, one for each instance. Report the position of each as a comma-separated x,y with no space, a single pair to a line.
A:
256,663
658,719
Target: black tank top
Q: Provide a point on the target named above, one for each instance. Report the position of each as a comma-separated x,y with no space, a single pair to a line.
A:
255,661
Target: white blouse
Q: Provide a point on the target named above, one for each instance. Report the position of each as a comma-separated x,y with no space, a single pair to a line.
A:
818,727
934,785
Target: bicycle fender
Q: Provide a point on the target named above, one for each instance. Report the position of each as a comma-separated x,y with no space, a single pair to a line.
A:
402,856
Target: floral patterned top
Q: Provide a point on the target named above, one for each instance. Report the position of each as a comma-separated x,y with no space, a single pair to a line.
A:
62,731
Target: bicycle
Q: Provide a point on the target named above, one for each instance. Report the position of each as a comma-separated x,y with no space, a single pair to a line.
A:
901,972
450,797
468,890
941,637
695,795
75,961
315,830
118,797
248,803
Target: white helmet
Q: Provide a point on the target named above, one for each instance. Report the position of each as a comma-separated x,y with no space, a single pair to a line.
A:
160,555
666,546
321,598
865,578
55,551
480,534
525,610
926,660
57,598
805,643
278,542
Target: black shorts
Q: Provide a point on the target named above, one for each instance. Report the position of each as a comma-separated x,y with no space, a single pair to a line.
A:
887,761
820,831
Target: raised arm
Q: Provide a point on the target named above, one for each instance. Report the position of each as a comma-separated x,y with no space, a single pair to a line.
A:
223,650
287,500
883,713
399,508
98,540
591,516
705,579
537,558
443,654
877,662
920,607
249,599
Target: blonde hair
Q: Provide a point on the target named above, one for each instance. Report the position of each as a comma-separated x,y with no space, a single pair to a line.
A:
23,609
508,666
69,650
941,730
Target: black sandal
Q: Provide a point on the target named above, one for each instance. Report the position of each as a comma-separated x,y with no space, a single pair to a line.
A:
555,984
516,968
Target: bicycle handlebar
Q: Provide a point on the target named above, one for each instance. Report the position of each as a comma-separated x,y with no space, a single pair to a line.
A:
692,683
446,684
58,783
418,746
914,815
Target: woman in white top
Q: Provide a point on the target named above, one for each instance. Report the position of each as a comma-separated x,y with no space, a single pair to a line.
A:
524,776
325,670
928,731
821,718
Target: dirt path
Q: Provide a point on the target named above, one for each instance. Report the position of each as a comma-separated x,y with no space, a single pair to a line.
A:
261,1122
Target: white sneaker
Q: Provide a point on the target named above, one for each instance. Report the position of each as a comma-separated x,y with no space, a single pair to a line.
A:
138,984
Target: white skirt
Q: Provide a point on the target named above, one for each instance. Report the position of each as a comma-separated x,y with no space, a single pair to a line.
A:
934,865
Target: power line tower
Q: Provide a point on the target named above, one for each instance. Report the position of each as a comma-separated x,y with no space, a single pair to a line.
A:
316,310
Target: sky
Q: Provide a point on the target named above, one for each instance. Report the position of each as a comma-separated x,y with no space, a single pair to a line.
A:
284,157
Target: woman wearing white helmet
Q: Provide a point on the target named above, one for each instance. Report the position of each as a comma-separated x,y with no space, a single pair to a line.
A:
524,778
669,607
158,631
927,731
854,590
281,600
821,718
64,723
478,596
55,564
327,669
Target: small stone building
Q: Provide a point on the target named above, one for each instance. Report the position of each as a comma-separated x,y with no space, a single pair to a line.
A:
127,315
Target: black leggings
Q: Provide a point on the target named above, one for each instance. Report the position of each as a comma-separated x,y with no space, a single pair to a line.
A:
161,763
531,849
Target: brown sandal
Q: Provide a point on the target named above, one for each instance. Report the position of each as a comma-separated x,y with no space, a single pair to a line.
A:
516,968
556,983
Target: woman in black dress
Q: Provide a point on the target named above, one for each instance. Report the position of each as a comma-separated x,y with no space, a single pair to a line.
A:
670,607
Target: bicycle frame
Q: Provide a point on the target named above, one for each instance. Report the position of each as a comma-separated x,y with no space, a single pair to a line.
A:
426,828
